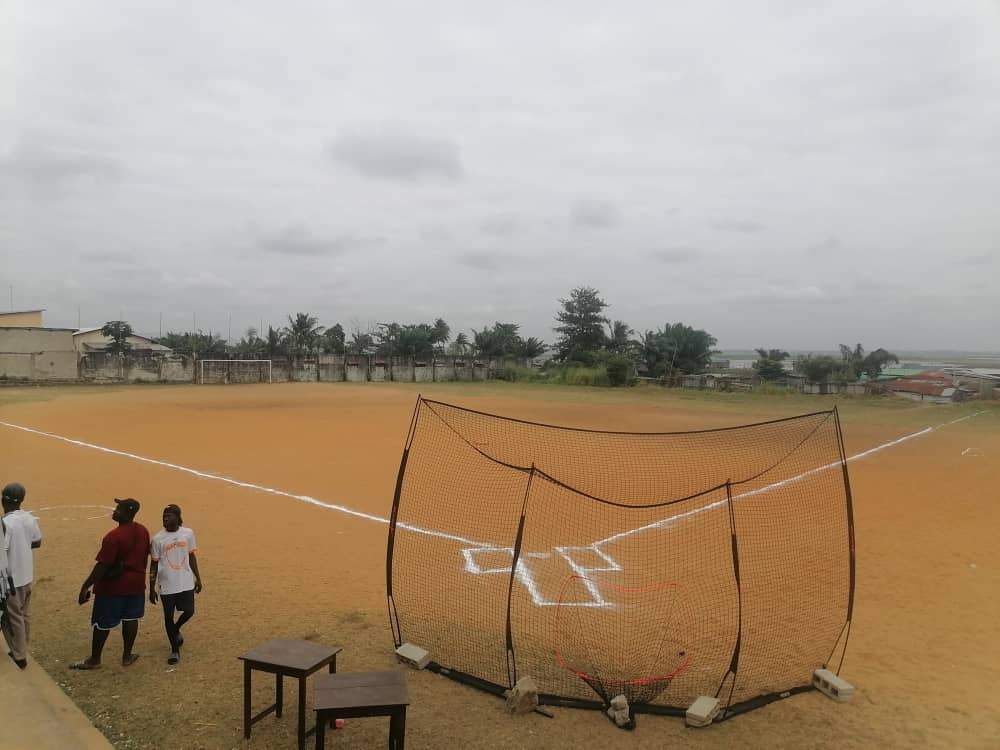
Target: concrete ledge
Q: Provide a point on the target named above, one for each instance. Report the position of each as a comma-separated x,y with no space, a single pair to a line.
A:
36,714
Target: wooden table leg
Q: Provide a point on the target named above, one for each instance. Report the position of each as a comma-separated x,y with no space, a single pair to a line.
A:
246,700
397,728
320,729
302,713
279,693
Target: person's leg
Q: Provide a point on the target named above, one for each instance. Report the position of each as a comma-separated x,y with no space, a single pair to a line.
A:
184,602
134,606
97,646
13,627
26,611
167,600
130,629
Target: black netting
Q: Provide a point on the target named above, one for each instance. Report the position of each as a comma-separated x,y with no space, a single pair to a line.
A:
658,566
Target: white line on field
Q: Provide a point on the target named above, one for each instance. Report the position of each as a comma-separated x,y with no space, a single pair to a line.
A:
718,503
246,485
468,542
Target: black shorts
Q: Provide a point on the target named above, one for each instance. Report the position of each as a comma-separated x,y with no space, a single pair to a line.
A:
182,602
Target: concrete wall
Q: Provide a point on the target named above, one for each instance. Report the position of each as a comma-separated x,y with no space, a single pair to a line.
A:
37,353
101,367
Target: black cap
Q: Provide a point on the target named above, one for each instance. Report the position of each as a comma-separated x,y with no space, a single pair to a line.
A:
176,510
14,492
129,505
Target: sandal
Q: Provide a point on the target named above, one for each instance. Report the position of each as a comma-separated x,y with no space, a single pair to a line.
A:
130,660
84,665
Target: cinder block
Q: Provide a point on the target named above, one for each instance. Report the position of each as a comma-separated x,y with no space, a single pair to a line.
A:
830,684
702,712
413,655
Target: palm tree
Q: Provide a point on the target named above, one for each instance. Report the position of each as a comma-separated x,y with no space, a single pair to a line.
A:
303,333
460,345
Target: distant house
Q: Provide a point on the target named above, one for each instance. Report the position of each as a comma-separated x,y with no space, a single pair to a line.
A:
935,386
21,319
87,340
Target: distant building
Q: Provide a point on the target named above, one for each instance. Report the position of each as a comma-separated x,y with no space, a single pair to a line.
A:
21,319
87,340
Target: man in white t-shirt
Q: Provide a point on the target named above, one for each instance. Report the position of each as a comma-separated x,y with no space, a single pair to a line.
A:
173,569
23,536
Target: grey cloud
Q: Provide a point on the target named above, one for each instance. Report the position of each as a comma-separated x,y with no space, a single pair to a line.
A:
675,254
976,260
500,225
395,154
736,225
111,258
480,261
824,246
783,294
594,214
43,166
298,240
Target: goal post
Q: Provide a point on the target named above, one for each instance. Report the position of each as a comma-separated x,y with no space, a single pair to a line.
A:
233,371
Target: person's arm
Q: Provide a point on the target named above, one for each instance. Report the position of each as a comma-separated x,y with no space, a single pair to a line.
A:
106,557
95,575
154,567
36,534
193,559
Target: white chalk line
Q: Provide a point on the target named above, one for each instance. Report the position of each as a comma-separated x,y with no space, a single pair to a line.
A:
245,485
784,482
439,534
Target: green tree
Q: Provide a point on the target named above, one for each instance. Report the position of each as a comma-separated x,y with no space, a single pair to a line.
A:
852,361
333,339
532,348
502,340
441,334
619,340
817,369
676,349
251,346
302,334
275,342
118,331
361,344
769,363
460,346
581,326
873,364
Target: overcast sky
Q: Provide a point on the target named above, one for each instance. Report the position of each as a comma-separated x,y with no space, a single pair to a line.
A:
783,174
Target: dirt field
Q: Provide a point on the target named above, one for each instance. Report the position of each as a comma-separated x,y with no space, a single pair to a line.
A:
925,646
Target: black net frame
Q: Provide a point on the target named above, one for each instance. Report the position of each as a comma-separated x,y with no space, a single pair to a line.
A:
728,551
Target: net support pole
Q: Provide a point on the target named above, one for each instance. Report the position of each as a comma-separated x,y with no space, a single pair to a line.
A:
397,635
734,662
515,561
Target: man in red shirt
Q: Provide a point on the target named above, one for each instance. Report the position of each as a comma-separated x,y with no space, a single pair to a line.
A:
119,581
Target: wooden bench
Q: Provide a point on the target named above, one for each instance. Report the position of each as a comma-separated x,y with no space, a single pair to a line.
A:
285,658
353,695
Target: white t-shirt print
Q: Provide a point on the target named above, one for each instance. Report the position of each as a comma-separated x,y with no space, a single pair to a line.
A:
171,550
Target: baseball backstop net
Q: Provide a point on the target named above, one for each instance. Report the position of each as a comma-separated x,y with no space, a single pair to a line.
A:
659,566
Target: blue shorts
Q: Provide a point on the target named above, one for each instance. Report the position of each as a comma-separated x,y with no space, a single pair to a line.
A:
110,611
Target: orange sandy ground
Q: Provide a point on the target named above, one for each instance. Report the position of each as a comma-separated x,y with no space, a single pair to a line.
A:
924,652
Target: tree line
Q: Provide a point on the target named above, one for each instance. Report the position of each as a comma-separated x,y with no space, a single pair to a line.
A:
585,338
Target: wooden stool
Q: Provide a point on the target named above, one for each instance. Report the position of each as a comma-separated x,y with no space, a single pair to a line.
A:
352,695
285,658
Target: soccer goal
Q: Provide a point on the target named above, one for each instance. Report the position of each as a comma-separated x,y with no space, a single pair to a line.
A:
231,371
656,566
